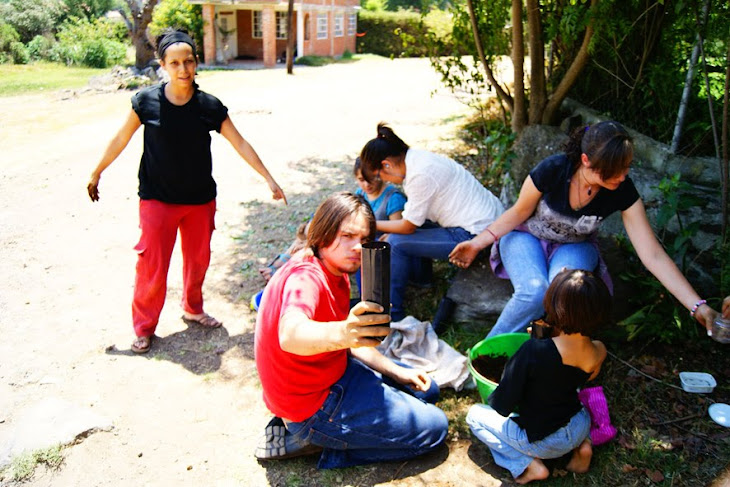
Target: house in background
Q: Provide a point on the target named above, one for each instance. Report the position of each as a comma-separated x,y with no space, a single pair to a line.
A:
256,29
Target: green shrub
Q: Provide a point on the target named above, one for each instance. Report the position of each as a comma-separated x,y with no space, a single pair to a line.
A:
314,60
7,36
347,54
19,53
88,43
404,33
40,48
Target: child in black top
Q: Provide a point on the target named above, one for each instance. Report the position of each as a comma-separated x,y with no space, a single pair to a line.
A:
541,381
176,187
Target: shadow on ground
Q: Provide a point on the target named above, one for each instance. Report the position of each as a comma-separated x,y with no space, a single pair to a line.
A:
269,227
198,349
303,471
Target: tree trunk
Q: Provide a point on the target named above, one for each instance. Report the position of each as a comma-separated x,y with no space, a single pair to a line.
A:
290,38
688,82
141,17
519,113
571,76
538,91
503,95
725,163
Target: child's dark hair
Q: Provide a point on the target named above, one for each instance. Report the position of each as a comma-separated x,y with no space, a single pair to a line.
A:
577,302
607,144
357,167
171,36
385,145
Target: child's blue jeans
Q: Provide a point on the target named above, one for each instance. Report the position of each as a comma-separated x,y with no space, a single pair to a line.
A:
509,444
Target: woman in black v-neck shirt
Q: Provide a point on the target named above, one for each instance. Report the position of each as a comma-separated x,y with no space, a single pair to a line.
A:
541,381
176,186
554,222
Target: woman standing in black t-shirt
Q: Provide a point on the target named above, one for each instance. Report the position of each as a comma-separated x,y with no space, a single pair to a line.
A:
554,222
176,186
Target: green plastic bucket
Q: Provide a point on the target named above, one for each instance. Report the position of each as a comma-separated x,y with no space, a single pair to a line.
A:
505,344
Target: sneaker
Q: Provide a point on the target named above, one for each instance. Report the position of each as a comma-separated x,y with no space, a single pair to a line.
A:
274,444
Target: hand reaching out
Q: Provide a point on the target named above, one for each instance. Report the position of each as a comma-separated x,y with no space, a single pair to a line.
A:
464,254
93,188
277,192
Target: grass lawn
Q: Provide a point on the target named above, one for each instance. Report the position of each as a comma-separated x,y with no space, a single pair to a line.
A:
22,79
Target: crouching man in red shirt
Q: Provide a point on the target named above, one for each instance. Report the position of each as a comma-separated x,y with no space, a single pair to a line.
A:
329,388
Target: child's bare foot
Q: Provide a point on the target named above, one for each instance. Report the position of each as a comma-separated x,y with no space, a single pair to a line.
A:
536,470
581,460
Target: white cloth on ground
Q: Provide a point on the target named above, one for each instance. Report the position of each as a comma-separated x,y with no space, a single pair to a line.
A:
414,343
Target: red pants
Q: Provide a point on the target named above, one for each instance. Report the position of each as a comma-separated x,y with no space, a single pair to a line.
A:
159,223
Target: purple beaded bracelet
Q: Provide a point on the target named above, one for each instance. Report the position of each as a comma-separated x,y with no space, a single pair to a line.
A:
696,306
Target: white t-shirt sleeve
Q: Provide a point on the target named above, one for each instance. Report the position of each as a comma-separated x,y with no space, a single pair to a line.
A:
421,190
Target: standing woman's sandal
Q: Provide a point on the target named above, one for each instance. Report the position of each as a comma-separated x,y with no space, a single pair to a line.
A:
141,344
204,320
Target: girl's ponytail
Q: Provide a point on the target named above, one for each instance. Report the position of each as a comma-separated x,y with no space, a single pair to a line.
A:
385,144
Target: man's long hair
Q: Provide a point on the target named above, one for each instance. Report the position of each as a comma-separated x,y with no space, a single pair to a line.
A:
329,217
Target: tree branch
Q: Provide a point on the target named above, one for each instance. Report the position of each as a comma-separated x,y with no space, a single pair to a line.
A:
480,51
576,67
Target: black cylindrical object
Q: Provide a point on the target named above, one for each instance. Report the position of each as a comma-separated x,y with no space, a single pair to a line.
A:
376,274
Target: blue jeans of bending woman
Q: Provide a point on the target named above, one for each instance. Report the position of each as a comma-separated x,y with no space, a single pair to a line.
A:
509,444
430,241
531,274
365,420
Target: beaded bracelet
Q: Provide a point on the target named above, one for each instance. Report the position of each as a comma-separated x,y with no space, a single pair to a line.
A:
696,306
496,238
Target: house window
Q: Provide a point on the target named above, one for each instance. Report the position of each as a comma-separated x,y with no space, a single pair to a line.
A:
322,26
306,27
281,25
351,24
257,29
339,25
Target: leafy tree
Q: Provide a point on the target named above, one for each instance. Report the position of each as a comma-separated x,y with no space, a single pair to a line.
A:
140,13
31,17
178,14
90,9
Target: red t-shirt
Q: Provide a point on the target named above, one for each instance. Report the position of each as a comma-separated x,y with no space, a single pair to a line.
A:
295,386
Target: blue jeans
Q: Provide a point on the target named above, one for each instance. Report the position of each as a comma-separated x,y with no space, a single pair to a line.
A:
531,274
364,420
509,444
429,241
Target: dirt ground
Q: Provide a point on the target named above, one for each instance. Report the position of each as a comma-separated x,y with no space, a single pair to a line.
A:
190,412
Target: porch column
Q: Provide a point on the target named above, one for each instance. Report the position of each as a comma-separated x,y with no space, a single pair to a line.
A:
209,33
300,31
268,24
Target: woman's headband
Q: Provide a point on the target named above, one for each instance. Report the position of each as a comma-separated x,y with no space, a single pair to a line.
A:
174,38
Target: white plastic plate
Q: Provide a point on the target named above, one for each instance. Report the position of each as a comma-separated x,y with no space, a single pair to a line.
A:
720,413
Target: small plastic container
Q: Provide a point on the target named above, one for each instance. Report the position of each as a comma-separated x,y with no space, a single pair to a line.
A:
721,330
698,382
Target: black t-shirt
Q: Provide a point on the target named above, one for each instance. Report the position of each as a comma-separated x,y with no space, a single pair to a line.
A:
554,219
544,390
176,165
